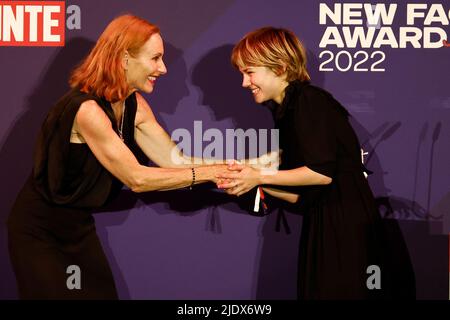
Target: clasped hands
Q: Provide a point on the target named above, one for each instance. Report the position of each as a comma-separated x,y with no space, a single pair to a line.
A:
238,179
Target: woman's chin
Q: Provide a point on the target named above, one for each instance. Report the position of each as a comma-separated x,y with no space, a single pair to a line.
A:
260,100
147,89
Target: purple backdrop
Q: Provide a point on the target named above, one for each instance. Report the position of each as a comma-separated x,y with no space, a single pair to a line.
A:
203,244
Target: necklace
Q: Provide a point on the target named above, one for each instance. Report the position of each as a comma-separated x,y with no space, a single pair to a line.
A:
121,122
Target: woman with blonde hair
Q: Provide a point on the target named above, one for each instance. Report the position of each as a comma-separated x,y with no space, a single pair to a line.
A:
84,155
321,171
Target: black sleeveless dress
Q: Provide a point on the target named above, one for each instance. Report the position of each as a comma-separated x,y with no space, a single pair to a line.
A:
51,226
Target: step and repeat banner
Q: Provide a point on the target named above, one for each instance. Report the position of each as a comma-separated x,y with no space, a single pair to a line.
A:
387,62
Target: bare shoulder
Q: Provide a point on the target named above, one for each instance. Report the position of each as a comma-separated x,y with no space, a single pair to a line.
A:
141,101
91,115
144,112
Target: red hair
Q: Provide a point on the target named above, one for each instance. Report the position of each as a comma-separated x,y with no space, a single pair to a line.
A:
101,73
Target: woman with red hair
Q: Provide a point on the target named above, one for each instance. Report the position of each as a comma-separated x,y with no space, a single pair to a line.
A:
83,157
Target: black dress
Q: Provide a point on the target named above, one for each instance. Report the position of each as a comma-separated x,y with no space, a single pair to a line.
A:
342,231
51,226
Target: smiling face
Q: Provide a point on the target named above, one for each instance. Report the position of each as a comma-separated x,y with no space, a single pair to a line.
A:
264,83
143,70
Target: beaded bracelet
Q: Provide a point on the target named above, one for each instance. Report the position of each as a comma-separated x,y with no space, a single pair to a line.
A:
193,178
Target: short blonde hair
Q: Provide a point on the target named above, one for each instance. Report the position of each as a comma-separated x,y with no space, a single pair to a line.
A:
275,48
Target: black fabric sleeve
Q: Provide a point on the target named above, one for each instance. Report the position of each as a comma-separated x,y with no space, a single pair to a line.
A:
316,131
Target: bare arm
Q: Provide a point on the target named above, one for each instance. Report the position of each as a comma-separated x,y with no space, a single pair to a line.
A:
96,129
281,194
302,176
157,144
241,179
159,147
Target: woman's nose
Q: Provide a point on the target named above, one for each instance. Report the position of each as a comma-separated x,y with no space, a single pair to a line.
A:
245,81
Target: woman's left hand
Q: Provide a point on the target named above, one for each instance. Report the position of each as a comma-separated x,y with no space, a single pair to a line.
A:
239,180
